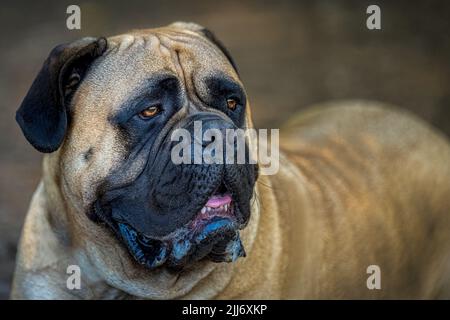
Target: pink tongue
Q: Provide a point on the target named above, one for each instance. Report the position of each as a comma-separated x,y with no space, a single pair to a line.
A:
217,201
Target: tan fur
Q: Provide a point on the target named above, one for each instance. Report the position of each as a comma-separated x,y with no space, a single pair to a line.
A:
358,185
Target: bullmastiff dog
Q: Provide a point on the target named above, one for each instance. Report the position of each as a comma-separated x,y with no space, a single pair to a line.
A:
360,187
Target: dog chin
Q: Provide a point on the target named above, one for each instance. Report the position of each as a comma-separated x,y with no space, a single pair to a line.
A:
212,234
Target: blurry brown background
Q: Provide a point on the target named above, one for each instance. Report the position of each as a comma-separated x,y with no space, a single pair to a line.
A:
290,54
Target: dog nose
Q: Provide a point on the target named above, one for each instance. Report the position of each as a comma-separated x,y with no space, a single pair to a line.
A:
215,125
207,129
204,127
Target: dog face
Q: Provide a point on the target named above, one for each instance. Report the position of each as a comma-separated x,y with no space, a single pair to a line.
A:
109,108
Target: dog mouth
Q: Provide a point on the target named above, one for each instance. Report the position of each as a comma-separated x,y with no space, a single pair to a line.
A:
220,204
212,234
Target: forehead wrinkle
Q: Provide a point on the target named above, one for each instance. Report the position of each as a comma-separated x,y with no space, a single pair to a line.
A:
128,65
197,42
127,41
171,53
184,40
132,58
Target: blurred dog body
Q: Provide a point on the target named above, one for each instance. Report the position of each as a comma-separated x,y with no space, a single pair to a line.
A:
371,188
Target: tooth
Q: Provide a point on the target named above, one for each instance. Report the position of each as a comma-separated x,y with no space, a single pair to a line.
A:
226,207
204,210
208,209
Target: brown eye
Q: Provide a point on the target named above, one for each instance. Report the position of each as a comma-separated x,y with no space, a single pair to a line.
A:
150,112
231,104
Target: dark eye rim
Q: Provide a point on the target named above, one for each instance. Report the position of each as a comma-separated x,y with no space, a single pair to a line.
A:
159,111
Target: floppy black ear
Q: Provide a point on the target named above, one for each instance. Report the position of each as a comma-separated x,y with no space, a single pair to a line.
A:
211,37
42,116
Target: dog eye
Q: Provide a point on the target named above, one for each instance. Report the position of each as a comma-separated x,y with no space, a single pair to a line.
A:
232,103
150,112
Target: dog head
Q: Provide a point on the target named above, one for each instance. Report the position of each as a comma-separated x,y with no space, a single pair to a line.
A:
107,111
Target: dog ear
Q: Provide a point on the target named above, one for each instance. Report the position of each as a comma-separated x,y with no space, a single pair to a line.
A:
43,115
211,37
